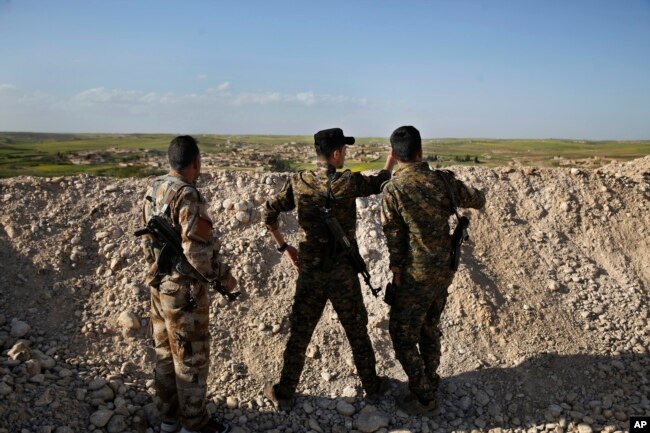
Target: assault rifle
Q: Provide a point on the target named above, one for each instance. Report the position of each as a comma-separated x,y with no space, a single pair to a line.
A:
171,254
459,236
349,249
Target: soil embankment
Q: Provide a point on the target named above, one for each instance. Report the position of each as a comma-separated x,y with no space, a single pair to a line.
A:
546,325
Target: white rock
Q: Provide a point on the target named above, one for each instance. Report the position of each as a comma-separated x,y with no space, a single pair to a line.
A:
105,393
584,428
228,203
117,424
349,393
19,329
371,419
241,206
128,320
345,408
115,263
96,383
33,367
553,286
313,424
19,351
313,351
232,403
100,418
243,216
46,361
115,232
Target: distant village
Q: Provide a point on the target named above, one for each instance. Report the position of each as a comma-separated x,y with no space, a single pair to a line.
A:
240,156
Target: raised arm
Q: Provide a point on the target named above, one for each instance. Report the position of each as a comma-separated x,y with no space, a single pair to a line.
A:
371,184
466,195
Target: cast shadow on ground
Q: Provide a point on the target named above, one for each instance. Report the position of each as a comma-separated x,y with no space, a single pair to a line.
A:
548,388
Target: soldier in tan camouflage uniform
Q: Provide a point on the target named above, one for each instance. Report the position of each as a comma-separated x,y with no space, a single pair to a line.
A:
180,330
415,211
322,272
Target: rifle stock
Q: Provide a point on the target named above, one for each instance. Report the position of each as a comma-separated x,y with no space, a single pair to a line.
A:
457,238
350,250
172,250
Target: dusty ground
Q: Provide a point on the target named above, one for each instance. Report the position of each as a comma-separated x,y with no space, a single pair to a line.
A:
546,328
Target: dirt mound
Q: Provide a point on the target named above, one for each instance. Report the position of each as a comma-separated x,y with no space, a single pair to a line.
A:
546,326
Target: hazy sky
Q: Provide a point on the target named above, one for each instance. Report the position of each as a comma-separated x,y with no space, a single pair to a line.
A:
567,69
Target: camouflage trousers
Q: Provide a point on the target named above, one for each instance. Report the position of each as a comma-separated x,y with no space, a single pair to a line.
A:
182,342
414,323
313,289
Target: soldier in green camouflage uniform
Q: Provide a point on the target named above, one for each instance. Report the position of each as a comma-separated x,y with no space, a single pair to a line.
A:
415,211
324,274
180,332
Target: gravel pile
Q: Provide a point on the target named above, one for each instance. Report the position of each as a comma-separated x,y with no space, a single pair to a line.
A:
546,327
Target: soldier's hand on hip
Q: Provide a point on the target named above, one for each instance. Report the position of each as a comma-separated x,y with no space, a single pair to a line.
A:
292,253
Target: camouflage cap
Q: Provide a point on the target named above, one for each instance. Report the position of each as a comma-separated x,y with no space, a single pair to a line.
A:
330,139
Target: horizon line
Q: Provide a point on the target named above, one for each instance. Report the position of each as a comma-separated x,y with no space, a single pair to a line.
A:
310,135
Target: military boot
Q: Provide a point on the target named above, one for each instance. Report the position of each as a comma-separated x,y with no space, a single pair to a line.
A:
412,405
213,426
282,404
383,386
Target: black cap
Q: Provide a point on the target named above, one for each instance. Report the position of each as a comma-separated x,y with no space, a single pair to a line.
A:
330,139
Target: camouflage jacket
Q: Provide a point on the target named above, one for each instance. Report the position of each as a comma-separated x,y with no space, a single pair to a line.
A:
415,213
188,214
307,191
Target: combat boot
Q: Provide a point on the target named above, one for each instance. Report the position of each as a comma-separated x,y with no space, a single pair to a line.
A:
282,404
382,388
412,405
213,426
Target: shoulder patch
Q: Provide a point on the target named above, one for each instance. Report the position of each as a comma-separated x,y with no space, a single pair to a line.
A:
201,229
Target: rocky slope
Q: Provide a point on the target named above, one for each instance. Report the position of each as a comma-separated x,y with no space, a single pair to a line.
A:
546,327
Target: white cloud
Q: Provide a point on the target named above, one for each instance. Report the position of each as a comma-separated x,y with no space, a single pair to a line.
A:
307,98
102,95
202,77
102,109
7,88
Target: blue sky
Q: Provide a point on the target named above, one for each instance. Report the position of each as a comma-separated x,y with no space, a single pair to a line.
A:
502,69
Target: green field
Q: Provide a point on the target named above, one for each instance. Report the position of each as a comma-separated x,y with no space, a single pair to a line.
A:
124,155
